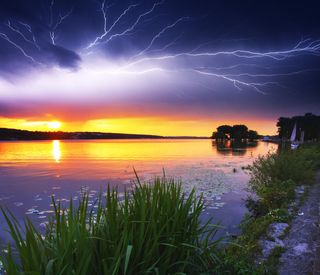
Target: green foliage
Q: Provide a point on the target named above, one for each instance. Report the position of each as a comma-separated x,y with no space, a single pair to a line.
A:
309,124
154,229
273,196
271,267
236,132
234,264
275,176
281,166
279,215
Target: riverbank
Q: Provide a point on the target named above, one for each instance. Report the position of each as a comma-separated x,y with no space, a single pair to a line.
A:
302,244
277,183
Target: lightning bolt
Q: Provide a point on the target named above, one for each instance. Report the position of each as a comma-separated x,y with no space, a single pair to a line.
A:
271,75
157,59
238,84
5,37
168,45
51,12
135,24
55,25
27,26
304,47
107,31
25,31
312,48
16,30
158,35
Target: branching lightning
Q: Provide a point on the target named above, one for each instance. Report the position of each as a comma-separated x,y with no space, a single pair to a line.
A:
311,48
29,29
134,25
106,30
5,37
24,31
304,47
158,35
53,26
245,71
168,45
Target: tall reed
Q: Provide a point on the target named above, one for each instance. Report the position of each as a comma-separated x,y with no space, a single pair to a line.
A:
154,229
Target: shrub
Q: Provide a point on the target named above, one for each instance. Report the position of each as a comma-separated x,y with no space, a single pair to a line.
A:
275,176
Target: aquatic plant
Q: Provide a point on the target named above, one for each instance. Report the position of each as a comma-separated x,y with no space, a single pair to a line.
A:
155,228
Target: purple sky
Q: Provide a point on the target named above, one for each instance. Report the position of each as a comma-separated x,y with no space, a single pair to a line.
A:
86,60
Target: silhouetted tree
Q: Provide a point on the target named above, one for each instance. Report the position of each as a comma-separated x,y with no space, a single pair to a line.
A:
252,135
239,132
235,132
218,135
309,124
225,129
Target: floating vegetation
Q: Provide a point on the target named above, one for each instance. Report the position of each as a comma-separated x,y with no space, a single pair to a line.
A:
5,198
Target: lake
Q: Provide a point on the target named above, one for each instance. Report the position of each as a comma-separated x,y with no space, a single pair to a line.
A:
32,171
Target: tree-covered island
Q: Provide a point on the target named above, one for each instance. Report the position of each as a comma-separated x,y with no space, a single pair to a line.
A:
237,132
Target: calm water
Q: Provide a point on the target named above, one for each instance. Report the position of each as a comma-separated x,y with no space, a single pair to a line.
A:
31,172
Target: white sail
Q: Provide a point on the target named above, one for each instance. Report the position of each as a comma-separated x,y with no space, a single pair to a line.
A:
294,133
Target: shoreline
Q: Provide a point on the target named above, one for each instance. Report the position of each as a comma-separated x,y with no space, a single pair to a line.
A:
302,243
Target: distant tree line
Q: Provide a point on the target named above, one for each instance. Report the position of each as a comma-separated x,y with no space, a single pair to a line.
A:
14,134
309,124
235,132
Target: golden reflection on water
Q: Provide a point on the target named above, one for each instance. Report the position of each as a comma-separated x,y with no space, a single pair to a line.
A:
56,150
115,159
124,151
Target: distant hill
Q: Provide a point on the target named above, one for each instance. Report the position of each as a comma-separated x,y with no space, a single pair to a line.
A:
15,134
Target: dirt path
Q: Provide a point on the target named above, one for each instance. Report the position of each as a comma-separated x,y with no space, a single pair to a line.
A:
302,255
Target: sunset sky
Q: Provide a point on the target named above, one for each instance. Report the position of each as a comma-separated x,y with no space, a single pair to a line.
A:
171,67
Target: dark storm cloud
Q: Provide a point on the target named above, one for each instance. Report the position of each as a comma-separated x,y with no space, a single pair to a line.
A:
64,57
244,24
210,25
33,20
268,23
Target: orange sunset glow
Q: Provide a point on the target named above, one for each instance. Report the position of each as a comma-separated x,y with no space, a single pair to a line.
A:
147,125
54,125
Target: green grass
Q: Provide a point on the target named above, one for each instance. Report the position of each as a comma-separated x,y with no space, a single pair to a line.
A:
155,229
